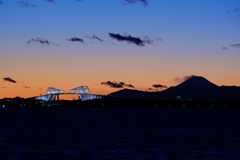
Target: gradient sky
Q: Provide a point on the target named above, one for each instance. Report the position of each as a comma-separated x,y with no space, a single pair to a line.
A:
187,37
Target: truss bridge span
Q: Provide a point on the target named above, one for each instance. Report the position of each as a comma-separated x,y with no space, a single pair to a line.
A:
83,93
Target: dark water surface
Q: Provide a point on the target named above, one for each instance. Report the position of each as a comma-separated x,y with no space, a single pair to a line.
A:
119,133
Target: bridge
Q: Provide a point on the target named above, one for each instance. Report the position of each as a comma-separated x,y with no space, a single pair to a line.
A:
83,93
51,98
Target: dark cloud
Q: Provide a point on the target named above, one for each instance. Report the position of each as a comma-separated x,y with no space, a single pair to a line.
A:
235,45
74,39
26,87
79,0
9,80
95,37
159,86
179,80
225,48
50,1
3,87
134,1
234,10
129,85
150,89
25,4
116,85
135,40
128,38
42,41
1,2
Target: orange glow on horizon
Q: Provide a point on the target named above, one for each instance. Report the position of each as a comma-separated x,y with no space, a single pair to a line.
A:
11,90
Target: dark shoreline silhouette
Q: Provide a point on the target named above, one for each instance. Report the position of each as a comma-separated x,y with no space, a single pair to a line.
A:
117,102
196,92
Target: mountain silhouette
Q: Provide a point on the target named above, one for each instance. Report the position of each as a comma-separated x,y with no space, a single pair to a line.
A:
131,93
11,99
196,81
195,88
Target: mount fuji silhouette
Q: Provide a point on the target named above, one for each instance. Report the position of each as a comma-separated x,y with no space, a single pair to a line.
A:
196,82
195,88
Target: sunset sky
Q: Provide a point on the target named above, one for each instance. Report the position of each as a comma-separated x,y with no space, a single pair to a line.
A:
148,45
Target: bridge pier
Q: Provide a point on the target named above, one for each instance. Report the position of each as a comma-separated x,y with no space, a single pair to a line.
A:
57,97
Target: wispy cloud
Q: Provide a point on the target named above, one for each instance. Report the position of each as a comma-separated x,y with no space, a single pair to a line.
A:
134,1
26,87
134,40
157,39
129,85
117,85
159,86
235,45
42,41
25,4
79,0
233,10
184,78
74,39
225,48
95,37
9,80
52,1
